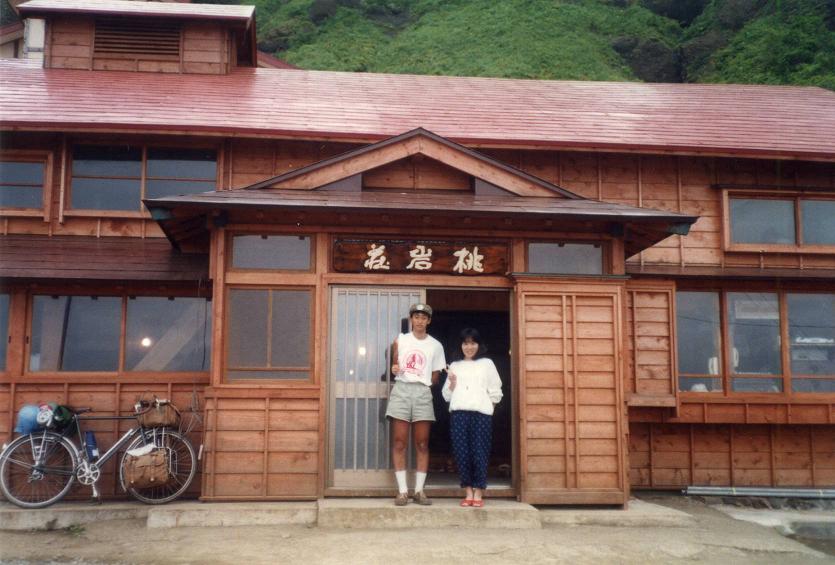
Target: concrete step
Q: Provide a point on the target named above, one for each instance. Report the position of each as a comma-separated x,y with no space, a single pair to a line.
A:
66,514
194,514
381,513
640,514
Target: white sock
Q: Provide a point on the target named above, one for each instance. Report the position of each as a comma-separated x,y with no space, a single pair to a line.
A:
401,481
420,479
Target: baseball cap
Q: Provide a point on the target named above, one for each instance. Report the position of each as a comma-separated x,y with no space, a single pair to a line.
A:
420,307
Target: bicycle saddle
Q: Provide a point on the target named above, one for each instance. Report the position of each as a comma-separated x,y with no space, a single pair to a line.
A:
82,410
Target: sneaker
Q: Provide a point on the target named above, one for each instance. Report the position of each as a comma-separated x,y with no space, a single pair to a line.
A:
401,499
421,498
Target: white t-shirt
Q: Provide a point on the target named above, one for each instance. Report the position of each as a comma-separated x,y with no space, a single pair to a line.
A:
477,386
418,358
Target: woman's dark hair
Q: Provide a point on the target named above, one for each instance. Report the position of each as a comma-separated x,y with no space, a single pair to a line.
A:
470,333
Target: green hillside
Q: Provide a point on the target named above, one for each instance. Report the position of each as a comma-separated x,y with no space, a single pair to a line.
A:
743,41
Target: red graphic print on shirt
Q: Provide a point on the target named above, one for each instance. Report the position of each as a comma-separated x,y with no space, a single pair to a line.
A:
415,362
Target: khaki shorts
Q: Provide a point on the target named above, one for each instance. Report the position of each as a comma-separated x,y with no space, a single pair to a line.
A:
410,402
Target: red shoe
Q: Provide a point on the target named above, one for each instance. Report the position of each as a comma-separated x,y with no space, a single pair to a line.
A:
477,503
467,502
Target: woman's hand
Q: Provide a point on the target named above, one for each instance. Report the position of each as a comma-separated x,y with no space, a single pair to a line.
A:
395,369
451,378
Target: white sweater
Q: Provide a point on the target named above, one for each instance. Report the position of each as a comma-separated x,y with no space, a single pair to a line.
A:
478,386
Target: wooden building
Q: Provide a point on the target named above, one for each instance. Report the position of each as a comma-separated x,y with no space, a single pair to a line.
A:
652,264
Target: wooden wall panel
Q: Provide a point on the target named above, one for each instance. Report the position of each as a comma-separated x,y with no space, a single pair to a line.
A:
414,173
665,456
205,48
651,375
70,43
261,448
572,434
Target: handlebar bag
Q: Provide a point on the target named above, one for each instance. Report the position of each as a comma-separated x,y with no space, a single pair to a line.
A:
158,413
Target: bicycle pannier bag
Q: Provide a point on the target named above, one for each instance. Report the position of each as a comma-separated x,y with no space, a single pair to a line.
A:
148,470
159,413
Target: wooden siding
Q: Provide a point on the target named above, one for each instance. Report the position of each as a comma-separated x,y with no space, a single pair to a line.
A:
206,49
671,456
416,172
69,44
650,357
262,444
571,407
106,399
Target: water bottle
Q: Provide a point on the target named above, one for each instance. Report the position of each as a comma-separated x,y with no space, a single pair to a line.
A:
92,448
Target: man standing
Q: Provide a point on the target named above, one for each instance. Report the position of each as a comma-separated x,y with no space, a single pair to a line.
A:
418,359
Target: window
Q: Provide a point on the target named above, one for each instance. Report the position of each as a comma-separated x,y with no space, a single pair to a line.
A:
23,181
565,258
4,329
699,341
278,252
83,333
738,341
754,337
117,178
790,223
269,334
812,342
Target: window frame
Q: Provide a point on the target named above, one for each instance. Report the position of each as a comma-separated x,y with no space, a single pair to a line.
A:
123,323
32,156
796,196
311,366
726,374
141,211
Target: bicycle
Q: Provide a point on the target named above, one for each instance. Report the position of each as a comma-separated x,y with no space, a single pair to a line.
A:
38,469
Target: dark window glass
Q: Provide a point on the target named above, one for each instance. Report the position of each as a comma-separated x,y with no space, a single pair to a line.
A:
288,252
106,194
269,334
168,334
697,324
700,384
4,329
75,333
182,163
818,221
754,327
813,385
21,184
811,335
565,258
159,188
762,221
106,161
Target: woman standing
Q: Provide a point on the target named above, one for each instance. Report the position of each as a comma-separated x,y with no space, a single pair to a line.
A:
473,387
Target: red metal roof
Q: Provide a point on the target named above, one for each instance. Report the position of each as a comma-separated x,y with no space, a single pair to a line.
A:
40,8
267,60
698,118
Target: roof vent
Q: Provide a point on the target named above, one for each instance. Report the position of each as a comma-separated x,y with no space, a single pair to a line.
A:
131,39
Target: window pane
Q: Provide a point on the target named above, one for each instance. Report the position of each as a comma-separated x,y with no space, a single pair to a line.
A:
248,328
105,194
762,221
747,384
4,329
291,328
565,258
182,163
818,221
168,334
700,384
812,333
271,252
754,326
159,188
21,172
813,385
75,333
697,320
234,375
104,161
21,196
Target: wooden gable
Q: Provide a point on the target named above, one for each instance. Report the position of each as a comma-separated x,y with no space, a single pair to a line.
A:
417,159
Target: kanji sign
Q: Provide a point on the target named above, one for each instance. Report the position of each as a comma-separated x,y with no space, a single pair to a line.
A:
420,256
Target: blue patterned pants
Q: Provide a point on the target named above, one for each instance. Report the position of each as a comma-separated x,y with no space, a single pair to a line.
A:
471,435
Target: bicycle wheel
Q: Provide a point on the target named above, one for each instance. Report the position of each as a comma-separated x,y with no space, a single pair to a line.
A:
182,463
37,469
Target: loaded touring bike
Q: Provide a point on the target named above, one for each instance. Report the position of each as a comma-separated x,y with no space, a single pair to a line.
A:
39,468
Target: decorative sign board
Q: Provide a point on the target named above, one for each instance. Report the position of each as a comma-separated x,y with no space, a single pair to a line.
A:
467,258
